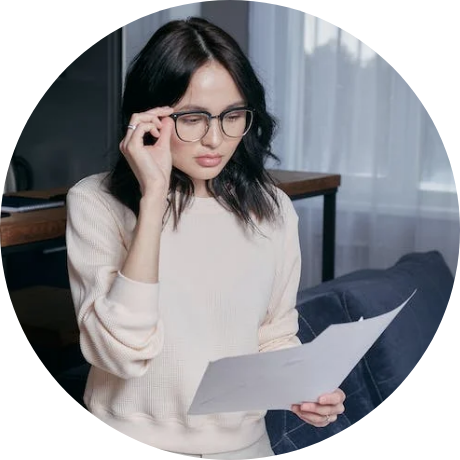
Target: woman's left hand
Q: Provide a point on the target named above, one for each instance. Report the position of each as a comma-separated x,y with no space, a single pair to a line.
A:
323,412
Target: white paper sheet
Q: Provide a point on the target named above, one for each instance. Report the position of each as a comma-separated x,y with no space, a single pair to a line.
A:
278,379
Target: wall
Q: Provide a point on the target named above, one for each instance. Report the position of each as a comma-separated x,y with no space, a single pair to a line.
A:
137,33
71,132
68,136
232,16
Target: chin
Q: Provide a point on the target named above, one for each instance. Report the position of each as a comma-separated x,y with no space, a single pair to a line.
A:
213,172
204,173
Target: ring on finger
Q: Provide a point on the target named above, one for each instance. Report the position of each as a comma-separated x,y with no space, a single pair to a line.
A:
133,127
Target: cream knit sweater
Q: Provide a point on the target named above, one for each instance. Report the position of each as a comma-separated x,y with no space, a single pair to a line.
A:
222,291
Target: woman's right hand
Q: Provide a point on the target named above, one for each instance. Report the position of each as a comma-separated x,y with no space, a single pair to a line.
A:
151,164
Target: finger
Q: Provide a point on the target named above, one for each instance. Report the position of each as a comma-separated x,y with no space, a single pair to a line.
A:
161,111
315,408
318,420
336,397
134,123
150,116
129,132
315,419
167,125
134,141
322,410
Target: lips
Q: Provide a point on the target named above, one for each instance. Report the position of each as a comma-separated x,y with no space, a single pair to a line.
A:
209,161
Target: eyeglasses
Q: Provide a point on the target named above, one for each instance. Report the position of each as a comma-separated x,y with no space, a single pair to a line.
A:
193,126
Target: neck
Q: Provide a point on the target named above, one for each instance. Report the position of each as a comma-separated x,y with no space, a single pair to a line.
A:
200,189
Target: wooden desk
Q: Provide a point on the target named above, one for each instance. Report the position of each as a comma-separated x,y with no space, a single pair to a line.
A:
33,229
40,229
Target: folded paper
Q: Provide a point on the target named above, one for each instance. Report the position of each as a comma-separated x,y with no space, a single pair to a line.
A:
278,379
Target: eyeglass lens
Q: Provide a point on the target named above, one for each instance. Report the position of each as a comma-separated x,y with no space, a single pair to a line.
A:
193,127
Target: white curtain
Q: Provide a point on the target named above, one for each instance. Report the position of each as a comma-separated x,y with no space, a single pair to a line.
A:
343,109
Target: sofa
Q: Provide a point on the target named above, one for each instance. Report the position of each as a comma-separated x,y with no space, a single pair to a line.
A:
388,362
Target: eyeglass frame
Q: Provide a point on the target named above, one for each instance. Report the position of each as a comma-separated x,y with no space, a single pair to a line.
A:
210,117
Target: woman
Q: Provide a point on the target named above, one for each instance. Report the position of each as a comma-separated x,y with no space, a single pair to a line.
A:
186,252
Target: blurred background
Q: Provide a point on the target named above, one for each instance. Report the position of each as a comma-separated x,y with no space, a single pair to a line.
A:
340,107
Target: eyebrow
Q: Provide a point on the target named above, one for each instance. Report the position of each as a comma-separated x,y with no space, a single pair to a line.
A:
204,109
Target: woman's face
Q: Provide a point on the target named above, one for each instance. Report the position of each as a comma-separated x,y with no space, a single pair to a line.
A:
213,90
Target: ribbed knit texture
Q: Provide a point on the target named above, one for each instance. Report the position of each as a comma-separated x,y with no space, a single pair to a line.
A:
223,291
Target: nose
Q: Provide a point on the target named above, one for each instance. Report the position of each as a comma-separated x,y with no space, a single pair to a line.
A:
214,137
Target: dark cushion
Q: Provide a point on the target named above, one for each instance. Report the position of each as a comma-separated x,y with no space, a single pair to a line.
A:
370,293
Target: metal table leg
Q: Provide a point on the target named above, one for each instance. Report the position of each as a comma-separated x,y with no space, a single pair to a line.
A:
329,213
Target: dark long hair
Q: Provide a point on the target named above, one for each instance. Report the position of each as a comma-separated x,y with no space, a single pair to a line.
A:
159,76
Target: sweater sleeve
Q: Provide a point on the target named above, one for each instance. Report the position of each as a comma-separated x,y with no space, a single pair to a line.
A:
280,325
120,328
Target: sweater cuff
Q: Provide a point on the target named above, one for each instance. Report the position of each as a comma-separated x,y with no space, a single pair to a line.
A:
138,299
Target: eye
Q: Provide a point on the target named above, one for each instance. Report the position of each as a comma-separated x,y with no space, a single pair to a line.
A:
235,116
191,119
